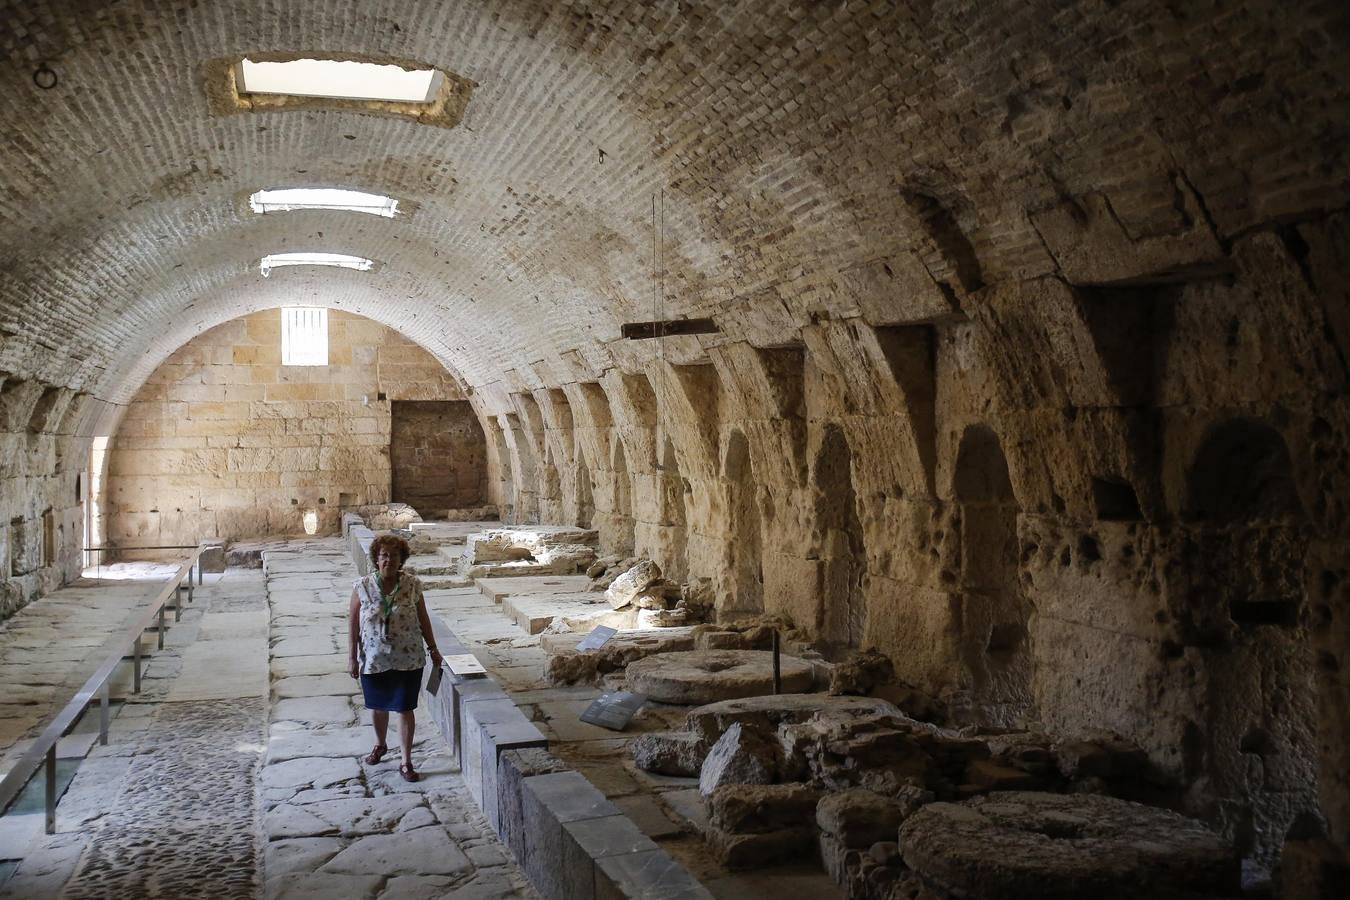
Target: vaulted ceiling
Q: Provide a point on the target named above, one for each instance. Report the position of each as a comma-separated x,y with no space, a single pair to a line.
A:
760,151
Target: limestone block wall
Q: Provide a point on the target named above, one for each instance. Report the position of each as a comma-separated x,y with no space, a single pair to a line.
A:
437,456
44,454
1061,505
223,441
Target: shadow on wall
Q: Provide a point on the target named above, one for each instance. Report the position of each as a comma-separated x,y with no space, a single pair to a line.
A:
1253,757
994,614
744,538
843,557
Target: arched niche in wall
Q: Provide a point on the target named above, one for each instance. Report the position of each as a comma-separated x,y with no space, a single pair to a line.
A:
673,517
995,616
744,541
1244,587
584,493
1242,471
550,489
623,502
843,557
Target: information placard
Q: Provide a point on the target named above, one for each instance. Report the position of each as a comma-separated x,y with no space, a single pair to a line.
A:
464,664
597,638
613,710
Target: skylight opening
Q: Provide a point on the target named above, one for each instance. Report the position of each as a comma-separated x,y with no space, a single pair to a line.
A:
339,80
286,199
341,260
304,336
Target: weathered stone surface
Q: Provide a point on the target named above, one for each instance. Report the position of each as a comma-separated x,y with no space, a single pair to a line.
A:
631,584
287,821
738,851
424,850
738,757
749,808
708,676
1021,844
311,772
766,713
1030,369
1103,756
679,753
859,818
567,665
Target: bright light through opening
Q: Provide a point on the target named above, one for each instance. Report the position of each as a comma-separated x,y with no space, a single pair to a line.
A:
285,199
341,260
304,336
339,79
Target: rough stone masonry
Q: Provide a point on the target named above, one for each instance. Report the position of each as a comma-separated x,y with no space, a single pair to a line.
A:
1032,344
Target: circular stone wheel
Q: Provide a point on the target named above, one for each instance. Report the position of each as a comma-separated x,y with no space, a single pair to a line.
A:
696,677
1021,844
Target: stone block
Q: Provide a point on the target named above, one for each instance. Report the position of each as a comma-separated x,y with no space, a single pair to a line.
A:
651,875
752,851
513,767
494,739
212,559
482,723
588,840
548,802
758,808
738,757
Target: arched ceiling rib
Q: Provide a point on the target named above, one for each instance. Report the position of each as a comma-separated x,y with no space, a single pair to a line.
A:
785,137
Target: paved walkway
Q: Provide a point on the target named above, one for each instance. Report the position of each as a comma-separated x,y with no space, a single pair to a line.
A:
236,773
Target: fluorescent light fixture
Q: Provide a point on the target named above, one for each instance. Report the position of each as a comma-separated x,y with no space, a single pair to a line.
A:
304,341
285,199
339,79
341,260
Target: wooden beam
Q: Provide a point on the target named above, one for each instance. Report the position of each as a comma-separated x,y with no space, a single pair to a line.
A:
638,331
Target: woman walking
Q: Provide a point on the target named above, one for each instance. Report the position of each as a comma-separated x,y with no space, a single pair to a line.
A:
386,626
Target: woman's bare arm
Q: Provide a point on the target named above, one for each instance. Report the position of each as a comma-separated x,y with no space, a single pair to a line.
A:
424,622
353,632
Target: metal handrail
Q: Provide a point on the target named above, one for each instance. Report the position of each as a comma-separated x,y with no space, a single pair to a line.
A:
45,744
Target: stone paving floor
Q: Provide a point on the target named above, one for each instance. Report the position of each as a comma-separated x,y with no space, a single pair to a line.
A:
235,773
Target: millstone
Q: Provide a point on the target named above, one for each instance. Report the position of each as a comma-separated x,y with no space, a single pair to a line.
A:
695,677
1020,844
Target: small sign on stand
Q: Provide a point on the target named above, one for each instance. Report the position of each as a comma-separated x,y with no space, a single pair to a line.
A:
598,637
613,710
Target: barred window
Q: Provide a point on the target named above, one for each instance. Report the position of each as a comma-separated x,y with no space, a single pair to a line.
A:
304,336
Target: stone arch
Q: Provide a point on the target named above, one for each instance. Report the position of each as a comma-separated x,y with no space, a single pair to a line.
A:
744,545
673,514
1242,470
995,616
843,556
624,526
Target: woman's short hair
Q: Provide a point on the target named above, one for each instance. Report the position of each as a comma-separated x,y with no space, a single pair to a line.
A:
394,544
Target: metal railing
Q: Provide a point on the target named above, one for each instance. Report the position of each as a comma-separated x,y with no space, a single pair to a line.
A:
44,747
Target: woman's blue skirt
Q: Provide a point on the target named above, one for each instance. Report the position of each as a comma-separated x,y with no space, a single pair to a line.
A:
395,690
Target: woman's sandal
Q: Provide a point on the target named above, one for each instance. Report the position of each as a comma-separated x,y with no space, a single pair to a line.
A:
406,770
376,754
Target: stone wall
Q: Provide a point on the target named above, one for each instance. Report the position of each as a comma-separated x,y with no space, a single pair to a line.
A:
44,481
1032,321
437,456
224,442
1110,505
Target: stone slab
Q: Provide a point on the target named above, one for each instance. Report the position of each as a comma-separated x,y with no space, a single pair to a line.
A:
428,851
651,875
